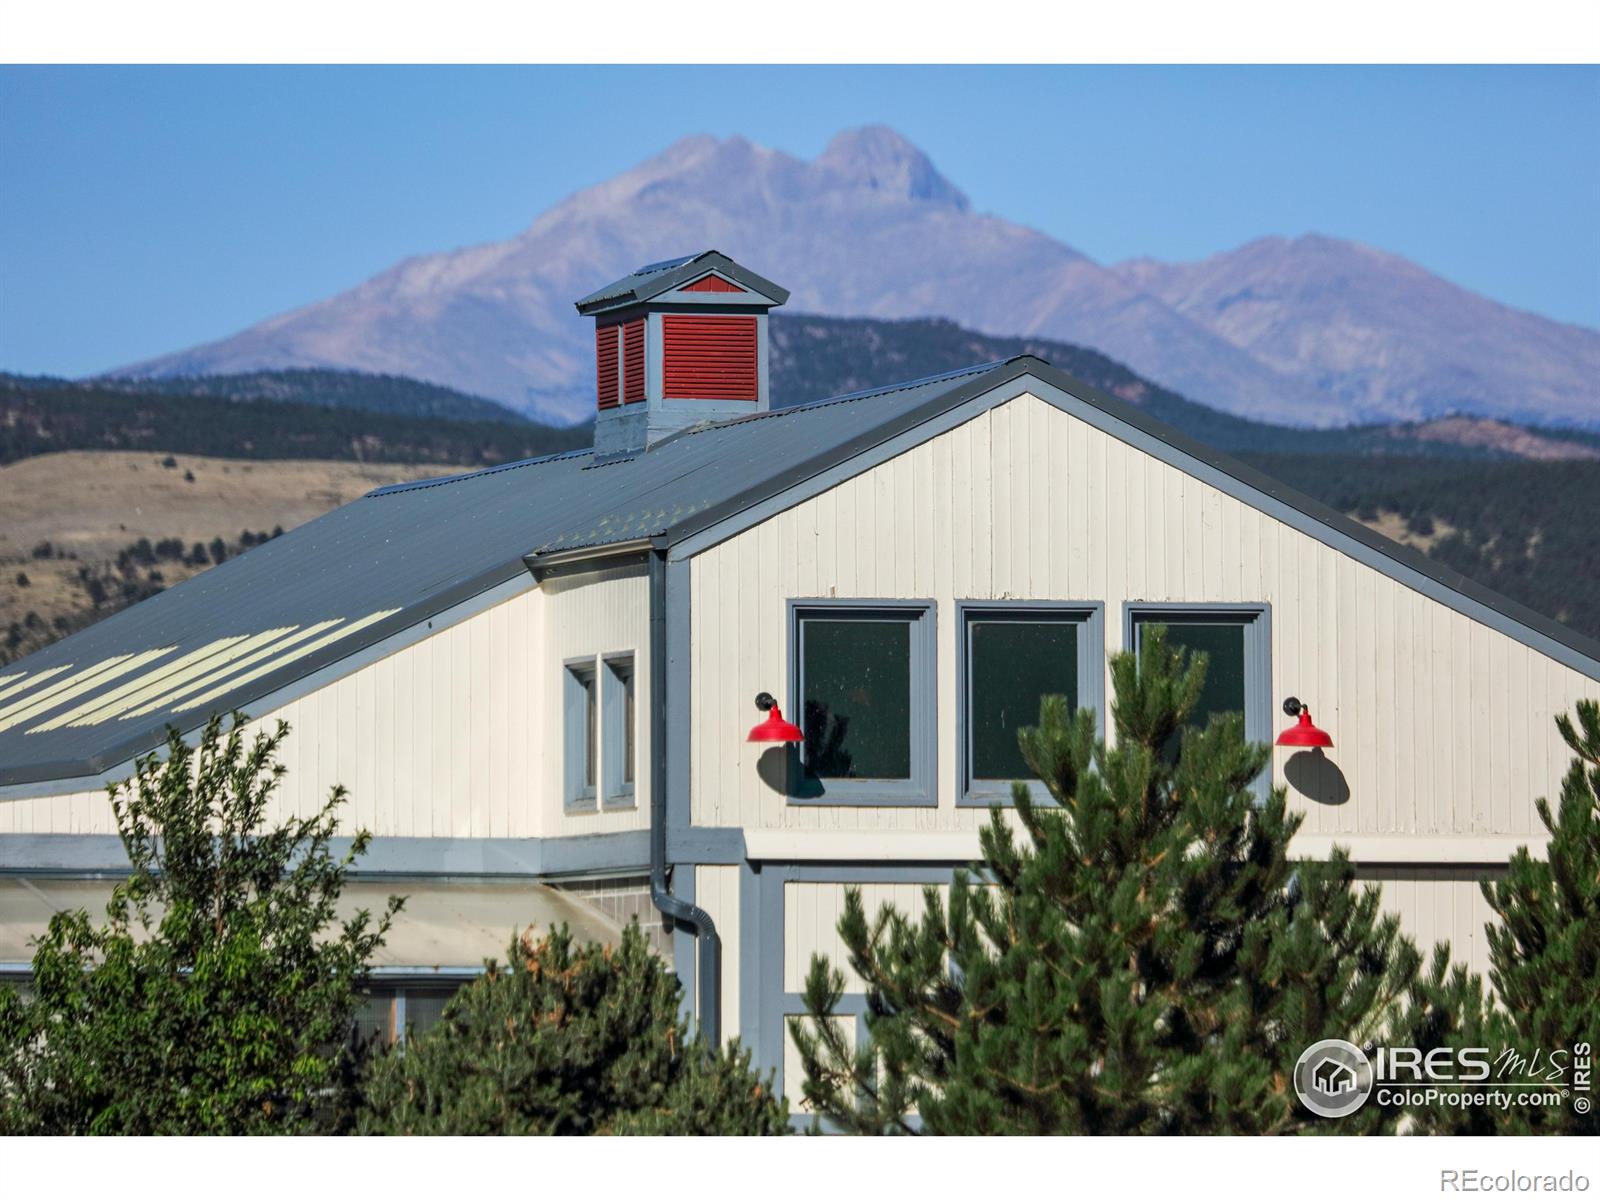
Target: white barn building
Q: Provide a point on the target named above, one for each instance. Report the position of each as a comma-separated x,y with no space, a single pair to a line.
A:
537,680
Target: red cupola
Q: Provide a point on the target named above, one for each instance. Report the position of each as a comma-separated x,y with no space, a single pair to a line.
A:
676,343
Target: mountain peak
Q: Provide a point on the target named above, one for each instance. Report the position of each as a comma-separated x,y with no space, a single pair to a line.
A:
881,159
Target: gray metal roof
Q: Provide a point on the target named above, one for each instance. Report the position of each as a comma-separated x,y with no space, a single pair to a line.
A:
376,566
659,277
401,554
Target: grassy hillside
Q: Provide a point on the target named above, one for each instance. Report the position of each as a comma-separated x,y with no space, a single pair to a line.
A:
90,532
52,415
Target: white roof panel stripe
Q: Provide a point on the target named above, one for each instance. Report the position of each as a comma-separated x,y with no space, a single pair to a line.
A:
234,664
308,648
171,682
96,703
26,681
66,689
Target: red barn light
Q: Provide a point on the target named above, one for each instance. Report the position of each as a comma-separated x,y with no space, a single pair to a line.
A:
1302,734
774,728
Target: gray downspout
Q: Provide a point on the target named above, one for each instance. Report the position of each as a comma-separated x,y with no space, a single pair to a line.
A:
709,987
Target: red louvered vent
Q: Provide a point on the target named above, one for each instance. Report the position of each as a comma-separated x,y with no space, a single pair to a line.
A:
713,283
710,358
633,362
605,360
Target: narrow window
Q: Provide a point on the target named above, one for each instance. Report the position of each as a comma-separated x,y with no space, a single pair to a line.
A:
1011,658
582,734
619,739
865,678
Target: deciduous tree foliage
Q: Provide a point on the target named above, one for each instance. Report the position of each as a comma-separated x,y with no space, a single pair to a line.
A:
568,1039
217,995
1141,957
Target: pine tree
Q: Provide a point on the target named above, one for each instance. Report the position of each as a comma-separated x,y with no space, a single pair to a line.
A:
568,1040
217,995
1544,955
1142,957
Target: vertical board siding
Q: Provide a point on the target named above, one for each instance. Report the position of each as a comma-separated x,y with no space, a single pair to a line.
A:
1439,904
591,615
811,913
716,890
1442,726
456,735
434,740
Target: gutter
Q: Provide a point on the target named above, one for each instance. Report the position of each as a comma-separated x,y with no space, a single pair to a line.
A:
709,987
541,564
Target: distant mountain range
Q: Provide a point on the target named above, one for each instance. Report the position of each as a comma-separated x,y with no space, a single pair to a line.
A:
1310,332
329,414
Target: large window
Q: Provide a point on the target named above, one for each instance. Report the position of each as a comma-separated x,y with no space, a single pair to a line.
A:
620,723
391,1013
1012,655
864,679
1237,645
582,734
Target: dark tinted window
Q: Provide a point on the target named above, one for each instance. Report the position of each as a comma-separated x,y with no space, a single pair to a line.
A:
856,697
1011,664
1223,642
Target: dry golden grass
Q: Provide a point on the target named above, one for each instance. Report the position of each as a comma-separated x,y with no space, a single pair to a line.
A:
90,504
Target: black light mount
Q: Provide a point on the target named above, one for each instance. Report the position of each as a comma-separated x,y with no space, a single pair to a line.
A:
765,702
1292,707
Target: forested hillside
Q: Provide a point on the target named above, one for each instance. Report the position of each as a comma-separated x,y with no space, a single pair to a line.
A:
1530,531
45,416
391,394
814,357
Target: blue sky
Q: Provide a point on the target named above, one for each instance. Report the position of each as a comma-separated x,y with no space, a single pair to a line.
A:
147,209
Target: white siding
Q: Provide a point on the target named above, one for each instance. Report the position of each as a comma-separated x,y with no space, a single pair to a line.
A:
596,613
1443,904
455,735
811,913
1443,727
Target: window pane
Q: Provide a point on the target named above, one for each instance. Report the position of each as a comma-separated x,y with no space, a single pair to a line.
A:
625,671
1223,642
374,1019
424,1007
856,676
1013,664
591,730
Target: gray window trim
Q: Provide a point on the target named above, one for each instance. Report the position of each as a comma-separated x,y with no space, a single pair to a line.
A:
766,1006
1089,617
577,796
1257,620
922,789
618,792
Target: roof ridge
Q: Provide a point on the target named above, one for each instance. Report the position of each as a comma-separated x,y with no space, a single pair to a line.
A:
416,485
887,389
